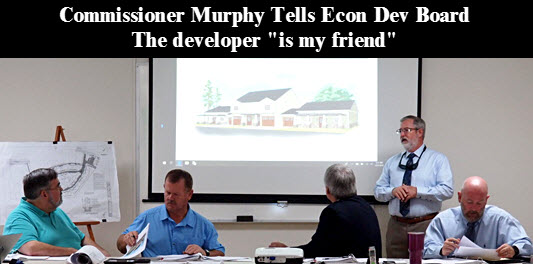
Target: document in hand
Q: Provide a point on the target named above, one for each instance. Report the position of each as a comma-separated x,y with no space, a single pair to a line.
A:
469,249
86,255
139,246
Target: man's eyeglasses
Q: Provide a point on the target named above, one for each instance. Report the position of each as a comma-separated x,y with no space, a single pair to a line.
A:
55,188
405,130
410,166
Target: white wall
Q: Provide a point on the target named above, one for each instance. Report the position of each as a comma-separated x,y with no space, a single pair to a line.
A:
93,99
477,110
479,113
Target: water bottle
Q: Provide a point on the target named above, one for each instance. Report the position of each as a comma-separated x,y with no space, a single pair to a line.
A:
372,255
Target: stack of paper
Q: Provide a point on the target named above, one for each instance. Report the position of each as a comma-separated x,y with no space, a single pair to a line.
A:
200,257
467,248
181,257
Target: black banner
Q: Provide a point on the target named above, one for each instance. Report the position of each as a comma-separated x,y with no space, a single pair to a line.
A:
240,28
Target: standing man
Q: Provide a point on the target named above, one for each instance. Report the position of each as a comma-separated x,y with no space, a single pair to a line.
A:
46,229
486,225
415,183
174,227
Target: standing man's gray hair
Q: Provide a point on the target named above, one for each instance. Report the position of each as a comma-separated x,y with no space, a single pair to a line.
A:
418,122
340,181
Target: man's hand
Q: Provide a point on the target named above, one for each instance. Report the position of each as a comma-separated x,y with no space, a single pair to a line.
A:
411,192
127,239
505,251
449,246
277,244
130,238
193,249
404,192
400,192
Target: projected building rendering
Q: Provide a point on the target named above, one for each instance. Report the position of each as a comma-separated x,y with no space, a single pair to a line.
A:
281,109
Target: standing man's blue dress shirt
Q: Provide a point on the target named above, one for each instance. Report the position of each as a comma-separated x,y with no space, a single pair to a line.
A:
432,178
55,228
495,228
165,237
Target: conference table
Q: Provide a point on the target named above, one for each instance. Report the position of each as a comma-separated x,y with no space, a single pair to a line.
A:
251,261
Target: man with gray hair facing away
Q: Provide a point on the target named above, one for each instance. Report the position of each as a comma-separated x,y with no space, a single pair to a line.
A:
348,225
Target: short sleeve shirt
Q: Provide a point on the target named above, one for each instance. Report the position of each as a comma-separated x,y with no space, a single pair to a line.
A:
166,237
33,223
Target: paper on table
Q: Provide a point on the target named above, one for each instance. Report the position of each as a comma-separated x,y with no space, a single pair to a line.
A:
139,246
57,258
381,260
346,259
224,258
451,260
170,262
467,248
196,256
22,256
86,255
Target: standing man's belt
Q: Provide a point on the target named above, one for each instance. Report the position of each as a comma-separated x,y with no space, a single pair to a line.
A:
414,220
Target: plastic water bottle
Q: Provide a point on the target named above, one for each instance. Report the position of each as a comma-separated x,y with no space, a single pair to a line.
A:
372,255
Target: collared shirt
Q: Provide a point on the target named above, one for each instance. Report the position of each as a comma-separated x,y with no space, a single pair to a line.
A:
55,228
432,178
495,228
165,237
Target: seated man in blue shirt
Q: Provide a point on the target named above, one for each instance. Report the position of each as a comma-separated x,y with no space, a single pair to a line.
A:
174,227
486,225
46,229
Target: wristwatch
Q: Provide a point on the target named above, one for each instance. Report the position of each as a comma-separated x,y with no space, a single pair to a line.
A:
207,253
516,251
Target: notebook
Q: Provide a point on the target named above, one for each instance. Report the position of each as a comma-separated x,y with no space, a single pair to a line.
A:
7,243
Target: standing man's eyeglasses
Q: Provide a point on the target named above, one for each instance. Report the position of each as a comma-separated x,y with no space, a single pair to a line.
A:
405,130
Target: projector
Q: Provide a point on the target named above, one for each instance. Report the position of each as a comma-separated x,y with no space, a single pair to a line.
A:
279,255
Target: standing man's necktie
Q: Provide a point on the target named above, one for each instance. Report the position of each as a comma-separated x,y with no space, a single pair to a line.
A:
471,232
404,207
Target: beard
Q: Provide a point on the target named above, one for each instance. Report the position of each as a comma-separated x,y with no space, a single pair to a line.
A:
472,216
56,204
408,144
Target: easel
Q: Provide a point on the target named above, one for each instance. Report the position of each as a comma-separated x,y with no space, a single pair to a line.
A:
59,133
